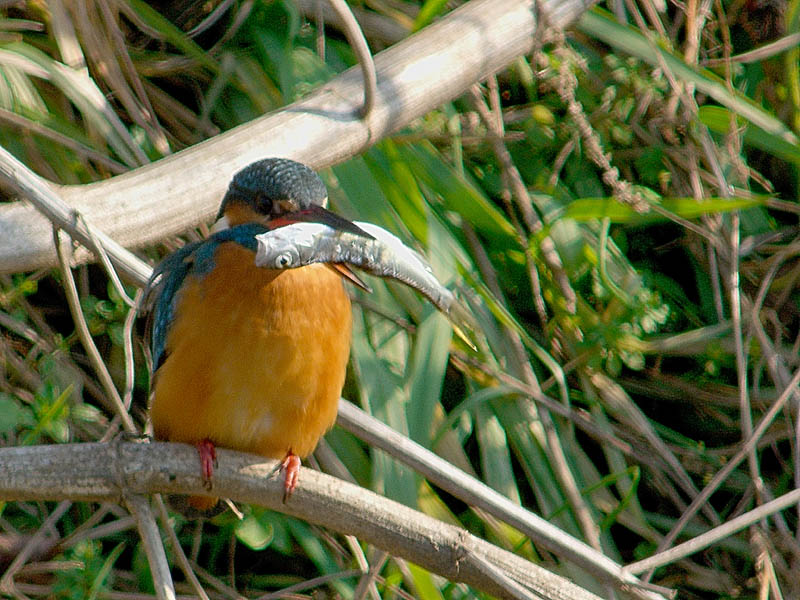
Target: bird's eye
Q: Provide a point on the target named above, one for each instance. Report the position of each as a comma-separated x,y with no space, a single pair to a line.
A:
283,261
263,204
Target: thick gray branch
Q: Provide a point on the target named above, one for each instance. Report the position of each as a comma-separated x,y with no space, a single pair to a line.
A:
415,76
112,472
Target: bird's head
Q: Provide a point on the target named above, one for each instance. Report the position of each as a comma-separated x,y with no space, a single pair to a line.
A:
276,192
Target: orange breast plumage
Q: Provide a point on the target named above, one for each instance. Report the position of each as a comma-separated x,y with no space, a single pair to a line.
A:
255,359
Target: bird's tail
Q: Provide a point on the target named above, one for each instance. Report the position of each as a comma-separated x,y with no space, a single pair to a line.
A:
196,507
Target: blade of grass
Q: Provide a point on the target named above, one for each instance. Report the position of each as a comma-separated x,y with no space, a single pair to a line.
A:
590,209
718,120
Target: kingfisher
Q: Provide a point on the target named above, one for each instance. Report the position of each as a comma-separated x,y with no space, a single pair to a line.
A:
249,358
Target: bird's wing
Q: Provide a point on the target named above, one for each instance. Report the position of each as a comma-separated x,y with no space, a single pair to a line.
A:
161,297
196,258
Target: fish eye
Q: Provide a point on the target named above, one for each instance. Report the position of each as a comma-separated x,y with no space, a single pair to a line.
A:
284,260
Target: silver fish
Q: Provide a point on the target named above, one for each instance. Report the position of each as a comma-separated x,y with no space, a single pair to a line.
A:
301,244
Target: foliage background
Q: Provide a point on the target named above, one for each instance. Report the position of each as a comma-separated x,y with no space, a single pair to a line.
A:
667,315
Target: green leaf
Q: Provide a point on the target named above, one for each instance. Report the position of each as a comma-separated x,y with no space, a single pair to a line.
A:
383,394
356,192
424,584
319,555
495,456
470,403
459,194
425,374
172,34
105,570
400,188
254,532
51,414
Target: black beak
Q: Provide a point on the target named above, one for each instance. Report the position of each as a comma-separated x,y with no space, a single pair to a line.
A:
317,214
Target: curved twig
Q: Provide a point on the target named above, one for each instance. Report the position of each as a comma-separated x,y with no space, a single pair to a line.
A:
82,328
357,41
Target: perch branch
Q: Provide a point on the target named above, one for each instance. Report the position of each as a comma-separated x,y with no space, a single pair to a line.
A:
108,472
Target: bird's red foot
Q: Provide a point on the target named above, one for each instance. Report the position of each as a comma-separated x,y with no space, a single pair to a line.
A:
208,460
291,471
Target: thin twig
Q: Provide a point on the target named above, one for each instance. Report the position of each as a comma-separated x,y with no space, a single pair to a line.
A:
180,555
99,251
366,585
309,583
715,535
787,42
85,335
154,549
28,125
127,341
319,19
745,409
734,462
7,581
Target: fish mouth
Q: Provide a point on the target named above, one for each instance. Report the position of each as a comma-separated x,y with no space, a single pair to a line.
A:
318,214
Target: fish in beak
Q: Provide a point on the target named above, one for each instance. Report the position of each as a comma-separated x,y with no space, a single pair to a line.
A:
323,216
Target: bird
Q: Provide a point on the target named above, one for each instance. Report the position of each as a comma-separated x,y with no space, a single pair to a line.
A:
248,358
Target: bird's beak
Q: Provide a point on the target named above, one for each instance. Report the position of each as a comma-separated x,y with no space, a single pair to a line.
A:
317,214
347,273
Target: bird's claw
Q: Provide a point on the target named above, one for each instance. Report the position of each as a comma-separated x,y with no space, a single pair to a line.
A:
208,461
291,471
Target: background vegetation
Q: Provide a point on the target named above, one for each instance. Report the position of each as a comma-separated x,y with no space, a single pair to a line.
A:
618,210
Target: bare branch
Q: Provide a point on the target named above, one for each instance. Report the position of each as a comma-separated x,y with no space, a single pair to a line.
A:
416,75
107,472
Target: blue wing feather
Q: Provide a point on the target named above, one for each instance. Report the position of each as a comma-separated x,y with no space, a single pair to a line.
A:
195,259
